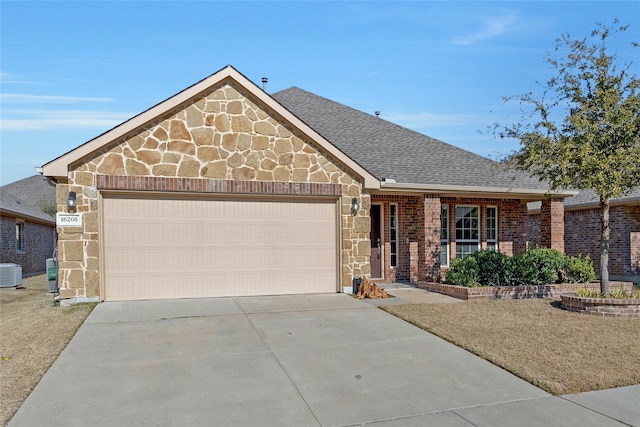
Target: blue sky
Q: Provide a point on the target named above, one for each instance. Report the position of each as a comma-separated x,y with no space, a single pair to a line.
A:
72,70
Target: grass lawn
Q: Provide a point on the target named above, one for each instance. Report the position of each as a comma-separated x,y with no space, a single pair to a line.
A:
34,332
559,351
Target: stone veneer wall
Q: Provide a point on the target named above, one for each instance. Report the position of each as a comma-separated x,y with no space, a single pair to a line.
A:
222,136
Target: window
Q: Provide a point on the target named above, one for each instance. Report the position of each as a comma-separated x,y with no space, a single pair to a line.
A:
393,235
444,235
492,228
467,230
20,236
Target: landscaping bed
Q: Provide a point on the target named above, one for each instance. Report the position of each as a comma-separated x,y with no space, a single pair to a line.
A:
607,307
514,292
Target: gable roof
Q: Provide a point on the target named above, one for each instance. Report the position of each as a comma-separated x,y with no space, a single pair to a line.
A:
34,190
388,157
413,160
13,206
58,168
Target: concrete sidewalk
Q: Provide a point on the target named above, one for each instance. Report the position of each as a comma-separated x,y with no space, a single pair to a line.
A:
317,360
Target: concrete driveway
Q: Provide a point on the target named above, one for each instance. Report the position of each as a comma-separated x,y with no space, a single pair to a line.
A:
318,360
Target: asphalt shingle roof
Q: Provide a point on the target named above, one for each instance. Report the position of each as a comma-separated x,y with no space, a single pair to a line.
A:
589,198
10,203
388,150
34,190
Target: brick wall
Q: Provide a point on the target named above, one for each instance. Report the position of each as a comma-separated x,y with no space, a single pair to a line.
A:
608,307
552,224
419,231
39,241
512,222
514,292
582,236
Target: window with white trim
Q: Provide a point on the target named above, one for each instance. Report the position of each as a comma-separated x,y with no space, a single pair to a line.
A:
467,230
492,228
393,235
444,235
20,245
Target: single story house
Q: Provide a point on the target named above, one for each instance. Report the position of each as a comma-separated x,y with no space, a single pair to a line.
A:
582,230
28,234
224,189
36,190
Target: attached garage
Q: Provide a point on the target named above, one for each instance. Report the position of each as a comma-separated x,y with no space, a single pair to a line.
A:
158,247
217,191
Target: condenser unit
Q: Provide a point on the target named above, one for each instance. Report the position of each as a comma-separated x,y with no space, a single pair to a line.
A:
10,275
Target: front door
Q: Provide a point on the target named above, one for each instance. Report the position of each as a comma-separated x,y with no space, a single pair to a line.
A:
376,242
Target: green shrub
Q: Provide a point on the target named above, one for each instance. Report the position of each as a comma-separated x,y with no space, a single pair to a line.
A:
578,269
539,266
463,272
494,268
525,271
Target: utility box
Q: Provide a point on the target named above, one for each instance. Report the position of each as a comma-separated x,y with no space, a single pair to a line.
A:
10,275
52,276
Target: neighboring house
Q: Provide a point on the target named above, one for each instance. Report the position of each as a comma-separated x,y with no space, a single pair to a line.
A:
582,231
36,191
27,234
223,189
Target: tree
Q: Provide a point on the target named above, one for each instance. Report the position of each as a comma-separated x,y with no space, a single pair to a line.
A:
583,131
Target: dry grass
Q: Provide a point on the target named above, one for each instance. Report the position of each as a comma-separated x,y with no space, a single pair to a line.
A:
34,332
559,351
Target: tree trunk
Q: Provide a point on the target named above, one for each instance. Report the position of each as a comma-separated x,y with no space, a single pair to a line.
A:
604,247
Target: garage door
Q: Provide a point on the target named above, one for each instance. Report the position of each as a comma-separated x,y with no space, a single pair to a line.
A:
156,248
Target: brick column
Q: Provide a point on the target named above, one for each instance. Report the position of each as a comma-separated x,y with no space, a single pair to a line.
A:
429,238
552,224
414,273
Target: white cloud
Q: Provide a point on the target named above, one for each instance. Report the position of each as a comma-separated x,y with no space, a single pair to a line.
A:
490,27
10,78
38,120
24,98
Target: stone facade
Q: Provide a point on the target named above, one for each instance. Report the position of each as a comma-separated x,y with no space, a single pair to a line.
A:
39,242
221,138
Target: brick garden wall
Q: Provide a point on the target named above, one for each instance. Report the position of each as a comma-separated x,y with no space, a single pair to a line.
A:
514,292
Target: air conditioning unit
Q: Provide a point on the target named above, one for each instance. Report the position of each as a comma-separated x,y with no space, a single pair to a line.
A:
10,275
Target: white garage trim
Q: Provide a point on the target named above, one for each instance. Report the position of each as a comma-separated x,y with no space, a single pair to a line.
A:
175,246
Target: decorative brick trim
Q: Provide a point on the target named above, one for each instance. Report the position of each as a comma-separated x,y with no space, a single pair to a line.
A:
201,185
513,292
604,307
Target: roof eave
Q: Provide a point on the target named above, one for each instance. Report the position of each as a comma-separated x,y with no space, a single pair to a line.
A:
21,215
629,201
475,191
